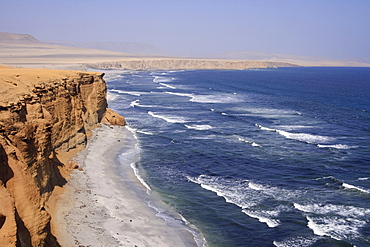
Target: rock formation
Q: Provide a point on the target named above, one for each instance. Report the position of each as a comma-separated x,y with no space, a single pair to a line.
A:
44,114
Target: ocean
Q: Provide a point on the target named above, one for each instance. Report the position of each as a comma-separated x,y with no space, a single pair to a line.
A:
263,157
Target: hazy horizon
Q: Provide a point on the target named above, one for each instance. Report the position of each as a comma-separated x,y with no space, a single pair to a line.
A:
336,29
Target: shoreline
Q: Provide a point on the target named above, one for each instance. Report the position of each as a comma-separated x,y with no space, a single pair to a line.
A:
111,210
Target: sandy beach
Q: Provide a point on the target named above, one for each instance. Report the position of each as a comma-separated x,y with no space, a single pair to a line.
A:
102,206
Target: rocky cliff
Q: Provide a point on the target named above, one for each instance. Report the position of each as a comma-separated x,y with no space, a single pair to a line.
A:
183,63
44,114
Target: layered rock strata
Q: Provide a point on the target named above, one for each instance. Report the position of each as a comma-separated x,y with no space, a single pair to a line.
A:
44,114
183,63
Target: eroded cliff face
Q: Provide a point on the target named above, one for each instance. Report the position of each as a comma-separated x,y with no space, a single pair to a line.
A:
43,115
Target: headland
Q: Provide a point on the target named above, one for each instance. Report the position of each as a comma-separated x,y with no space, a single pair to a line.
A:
46,117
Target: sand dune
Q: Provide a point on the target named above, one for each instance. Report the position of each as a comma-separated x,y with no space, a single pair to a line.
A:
26,51
60,57
23,50
39,55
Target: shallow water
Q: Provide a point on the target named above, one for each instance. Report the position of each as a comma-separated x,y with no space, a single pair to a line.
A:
268,157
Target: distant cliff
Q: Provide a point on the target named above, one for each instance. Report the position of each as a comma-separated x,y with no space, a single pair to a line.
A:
43,115
18,38
183,63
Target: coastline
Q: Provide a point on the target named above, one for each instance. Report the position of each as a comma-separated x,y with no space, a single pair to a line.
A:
104,203
99,207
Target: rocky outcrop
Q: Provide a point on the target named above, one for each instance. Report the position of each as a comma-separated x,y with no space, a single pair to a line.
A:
44,114
183,63
111,117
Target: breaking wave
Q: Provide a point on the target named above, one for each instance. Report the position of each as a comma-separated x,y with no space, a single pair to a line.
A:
199,126
169,118
302,137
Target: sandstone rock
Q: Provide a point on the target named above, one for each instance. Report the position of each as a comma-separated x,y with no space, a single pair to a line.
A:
111,117
43,115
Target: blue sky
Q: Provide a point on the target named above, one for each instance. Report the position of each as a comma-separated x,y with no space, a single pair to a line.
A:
332,28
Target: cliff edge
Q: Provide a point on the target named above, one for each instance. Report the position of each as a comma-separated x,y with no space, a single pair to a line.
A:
44,115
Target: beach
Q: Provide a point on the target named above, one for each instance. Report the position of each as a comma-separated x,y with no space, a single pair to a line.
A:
103,207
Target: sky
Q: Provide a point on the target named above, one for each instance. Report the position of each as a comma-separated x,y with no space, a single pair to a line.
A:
329,28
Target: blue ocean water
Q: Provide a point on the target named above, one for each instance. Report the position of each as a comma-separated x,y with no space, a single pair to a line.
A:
267,157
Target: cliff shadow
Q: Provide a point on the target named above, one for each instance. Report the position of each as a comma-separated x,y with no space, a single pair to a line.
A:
6,172
56,177
50,240
57,165
23,235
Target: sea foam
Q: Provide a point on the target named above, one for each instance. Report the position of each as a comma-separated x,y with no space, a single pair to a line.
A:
137,174
244,194
302,137
336,146
352,187
159,79
208,98
199,126
301,241
181,94
126,92
135,103
264,217
242,139
214,99
166,85
169,119
337,221
335,227
345,211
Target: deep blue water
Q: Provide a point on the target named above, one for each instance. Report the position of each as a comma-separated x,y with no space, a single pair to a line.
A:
269,157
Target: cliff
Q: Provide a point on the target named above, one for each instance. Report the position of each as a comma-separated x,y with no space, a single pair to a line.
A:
18,38
183,63
44,114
